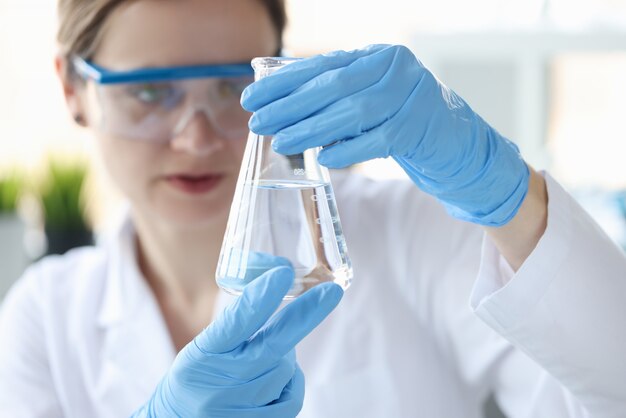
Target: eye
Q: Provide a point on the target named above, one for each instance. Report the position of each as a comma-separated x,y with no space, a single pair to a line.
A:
156,94
229,88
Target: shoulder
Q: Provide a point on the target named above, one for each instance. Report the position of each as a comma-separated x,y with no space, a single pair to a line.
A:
55,283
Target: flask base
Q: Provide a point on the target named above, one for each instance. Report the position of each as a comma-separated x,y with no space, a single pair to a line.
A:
341,276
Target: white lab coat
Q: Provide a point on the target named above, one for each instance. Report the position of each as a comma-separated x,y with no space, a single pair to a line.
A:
82,336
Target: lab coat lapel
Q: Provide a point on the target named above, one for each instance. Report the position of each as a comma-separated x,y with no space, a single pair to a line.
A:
137,349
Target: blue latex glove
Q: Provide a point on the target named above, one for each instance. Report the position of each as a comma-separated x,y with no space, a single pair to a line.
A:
243,364
379,102
247,267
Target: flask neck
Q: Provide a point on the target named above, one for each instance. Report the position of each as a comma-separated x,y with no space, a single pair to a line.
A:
265,66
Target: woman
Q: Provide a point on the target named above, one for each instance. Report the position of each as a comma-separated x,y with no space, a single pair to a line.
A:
96,332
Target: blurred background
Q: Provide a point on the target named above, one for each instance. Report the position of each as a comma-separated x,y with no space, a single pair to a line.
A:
548,74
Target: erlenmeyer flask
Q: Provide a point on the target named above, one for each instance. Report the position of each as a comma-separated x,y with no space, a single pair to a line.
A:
283,212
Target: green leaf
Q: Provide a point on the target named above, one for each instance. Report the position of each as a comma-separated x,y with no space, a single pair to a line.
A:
60,195
11,186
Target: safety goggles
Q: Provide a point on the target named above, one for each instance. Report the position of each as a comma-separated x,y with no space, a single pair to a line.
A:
156,104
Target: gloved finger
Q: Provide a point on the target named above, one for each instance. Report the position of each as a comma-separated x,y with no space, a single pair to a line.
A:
322,91
248,313
292,76
258,263
345,119
296,320
246,266
351,151
259,387
353,115
268,387
293,395
288,405
383,141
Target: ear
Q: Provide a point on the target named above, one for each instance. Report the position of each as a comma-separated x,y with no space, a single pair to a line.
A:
73,90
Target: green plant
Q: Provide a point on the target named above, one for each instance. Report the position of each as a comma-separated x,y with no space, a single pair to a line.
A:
60,195
10,190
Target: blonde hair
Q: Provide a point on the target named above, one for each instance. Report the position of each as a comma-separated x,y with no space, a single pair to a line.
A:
81,23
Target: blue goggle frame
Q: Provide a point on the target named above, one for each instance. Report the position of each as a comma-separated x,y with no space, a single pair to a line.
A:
101,75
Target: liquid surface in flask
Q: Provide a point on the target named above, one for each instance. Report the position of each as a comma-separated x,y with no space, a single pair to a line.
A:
295,221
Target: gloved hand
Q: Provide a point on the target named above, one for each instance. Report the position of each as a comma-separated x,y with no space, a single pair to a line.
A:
379,102
243,364
245,267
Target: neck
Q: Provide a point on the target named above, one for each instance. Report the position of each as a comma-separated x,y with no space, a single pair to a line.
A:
179,263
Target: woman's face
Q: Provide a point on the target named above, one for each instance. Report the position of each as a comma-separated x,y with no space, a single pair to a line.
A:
188,181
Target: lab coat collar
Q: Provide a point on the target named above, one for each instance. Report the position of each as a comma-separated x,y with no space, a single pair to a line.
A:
125,286
126,289
137,348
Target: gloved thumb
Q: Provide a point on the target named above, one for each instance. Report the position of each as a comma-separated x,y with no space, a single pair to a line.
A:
239,321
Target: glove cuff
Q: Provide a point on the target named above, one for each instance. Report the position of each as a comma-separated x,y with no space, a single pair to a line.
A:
488,194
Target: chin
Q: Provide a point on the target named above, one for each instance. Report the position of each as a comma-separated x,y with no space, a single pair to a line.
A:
188,215
176,211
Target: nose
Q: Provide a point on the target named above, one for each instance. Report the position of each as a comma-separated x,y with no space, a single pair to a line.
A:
197,136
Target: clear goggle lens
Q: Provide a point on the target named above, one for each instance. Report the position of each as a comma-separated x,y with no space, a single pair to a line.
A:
146,105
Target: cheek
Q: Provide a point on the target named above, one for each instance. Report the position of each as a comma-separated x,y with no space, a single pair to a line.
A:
238,149
128,164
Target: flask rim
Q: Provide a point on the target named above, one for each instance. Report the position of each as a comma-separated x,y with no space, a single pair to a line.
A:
263,63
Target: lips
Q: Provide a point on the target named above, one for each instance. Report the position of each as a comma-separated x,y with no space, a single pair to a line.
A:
194,184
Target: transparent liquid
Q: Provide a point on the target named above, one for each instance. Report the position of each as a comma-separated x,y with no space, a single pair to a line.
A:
286,220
